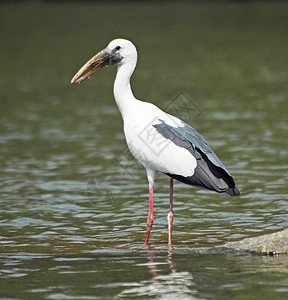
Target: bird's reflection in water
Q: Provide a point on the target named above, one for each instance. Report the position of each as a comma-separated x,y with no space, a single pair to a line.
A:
163,286
153,266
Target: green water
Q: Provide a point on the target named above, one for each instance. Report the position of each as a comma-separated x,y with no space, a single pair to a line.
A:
73,203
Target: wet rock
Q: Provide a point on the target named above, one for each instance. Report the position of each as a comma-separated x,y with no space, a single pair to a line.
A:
275,243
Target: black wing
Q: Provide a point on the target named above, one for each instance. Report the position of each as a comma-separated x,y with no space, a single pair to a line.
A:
210,172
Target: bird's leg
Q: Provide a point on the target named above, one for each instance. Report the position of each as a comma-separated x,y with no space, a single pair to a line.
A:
150,215
170,215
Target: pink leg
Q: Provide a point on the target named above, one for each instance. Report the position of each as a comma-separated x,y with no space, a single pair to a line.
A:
150,215
170,215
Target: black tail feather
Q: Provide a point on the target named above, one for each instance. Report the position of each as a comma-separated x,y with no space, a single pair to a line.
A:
209,176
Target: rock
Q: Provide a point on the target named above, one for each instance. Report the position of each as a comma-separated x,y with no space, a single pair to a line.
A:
275,243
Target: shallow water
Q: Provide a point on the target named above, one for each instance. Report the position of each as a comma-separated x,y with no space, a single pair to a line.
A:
73,202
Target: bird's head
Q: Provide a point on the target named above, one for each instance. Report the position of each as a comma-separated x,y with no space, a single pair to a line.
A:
118,52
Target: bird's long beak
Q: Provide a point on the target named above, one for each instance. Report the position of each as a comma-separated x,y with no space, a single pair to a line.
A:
97,62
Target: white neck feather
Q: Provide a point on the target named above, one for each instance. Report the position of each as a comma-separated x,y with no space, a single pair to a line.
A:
122,89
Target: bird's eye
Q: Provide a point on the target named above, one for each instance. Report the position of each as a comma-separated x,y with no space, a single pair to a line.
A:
118,48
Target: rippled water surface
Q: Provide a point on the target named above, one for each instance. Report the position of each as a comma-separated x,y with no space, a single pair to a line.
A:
74,203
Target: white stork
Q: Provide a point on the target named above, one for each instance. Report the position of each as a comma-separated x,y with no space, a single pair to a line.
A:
159,141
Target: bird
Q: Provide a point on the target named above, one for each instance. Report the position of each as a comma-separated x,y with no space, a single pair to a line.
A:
162,143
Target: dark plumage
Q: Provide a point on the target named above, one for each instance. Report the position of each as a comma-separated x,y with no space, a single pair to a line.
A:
210,172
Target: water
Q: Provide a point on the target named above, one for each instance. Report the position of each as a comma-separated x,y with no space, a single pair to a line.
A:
73,203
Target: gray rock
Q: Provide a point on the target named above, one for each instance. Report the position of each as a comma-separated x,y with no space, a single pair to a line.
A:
275,243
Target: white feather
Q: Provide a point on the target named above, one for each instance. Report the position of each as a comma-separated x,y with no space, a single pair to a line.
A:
150,148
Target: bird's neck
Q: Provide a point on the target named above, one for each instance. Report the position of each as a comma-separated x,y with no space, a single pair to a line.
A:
122,89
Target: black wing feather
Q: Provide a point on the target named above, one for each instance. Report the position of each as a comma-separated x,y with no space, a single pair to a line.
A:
210,172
